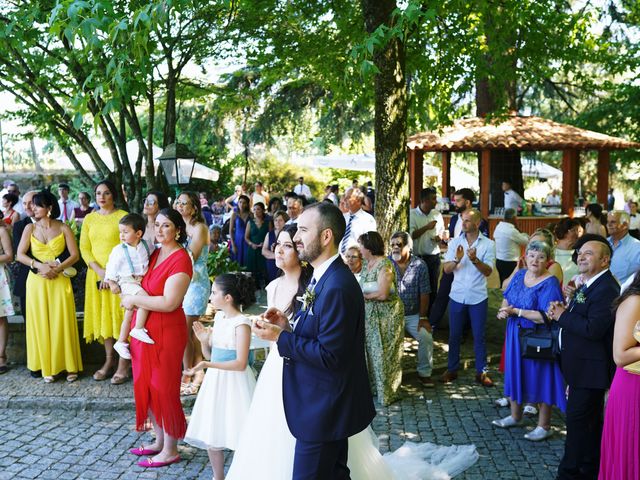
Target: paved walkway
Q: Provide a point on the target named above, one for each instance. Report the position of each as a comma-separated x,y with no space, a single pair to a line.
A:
84,429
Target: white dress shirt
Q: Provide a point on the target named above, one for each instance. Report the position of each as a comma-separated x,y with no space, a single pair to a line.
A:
469,285
634,221
426,244
362,222
512,200
69,206
302,191
508,241
118,267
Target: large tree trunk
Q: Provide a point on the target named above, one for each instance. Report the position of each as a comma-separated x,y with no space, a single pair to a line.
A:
494,93
390,127
170,118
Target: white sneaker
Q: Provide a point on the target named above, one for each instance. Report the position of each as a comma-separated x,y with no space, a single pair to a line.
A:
538,434
530,410
502,402
507,422
123,350
141,334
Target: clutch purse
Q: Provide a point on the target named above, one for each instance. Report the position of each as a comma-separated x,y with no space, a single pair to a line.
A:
633,368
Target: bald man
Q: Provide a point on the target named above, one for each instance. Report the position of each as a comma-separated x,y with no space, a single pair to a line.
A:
471,258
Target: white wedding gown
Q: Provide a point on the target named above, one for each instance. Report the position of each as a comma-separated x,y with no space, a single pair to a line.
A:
266,447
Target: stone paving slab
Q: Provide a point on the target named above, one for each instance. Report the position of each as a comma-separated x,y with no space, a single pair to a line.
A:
55,443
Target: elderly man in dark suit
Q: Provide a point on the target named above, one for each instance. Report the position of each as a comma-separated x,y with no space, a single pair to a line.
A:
586,359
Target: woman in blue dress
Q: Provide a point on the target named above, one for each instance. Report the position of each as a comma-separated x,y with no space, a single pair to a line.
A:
237,229
195,301
525,380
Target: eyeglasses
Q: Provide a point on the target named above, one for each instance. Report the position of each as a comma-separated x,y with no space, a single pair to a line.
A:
397,244
150,201
352,257
183,203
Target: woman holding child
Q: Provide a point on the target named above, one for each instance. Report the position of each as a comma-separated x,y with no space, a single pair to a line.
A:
157,367
102,312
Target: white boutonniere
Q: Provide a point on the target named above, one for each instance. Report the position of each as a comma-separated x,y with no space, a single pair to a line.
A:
307,299
580,297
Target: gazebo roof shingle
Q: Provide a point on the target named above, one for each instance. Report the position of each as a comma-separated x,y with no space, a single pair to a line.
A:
515,133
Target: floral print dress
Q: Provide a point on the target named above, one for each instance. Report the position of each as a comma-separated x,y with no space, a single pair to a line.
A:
384,334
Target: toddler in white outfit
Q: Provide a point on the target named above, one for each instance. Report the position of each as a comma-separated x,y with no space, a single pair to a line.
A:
127,264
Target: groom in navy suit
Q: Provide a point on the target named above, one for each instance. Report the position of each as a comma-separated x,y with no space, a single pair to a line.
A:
326,391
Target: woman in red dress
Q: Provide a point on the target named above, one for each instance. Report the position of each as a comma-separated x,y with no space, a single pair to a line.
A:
157,368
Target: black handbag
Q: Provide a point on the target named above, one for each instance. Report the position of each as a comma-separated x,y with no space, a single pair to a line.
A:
538,343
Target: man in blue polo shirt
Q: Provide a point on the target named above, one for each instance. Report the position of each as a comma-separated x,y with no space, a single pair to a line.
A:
471,258
626,249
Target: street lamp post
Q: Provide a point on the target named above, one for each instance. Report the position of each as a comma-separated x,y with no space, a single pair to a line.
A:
177,162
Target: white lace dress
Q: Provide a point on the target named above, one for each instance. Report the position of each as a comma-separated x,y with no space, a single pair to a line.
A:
266,447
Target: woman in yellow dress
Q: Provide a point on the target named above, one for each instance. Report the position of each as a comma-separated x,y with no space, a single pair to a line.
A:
53,343
102,312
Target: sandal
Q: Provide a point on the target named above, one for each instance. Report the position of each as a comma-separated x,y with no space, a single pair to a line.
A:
4,368
49,379
187,389
119,379
72,377
101,374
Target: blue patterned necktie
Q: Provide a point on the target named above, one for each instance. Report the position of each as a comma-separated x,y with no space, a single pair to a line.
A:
347,234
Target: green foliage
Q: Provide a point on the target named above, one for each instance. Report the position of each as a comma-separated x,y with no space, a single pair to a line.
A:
220,262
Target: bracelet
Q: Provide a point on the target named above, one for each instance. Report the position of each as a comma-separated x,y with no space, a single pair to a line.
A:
32,263
424,318
519,312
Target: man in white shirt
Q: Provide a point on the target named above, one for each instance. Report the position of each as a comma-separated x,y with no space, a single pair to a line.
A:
358,221
294,209
302,190
66,204
511,198
470,258
553,198
259,195
426,227
508,244
18,207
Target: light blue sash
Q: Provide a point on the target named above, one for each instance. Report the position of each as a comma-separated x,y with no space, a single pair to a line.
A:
227,355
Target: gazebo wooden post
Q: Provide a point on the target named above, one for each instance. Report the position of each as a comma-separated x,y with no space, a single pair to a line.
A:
446,173
415,159
485,179
569,180
603,176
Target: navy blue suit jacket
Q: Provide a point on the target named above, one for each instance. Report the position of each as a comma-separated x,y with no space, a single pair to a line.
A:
586,358
325,384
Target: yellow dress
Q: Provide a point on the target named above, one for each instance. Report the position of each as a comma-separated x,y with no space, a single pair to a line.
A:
102,312
53,343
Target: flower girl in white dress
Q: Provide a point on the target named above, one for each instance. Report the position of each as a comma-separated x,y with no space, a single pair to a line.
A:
224,398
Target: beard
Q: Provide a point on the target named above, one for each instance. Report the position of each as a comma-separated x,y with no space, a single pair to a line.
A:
396,257
461,209
311,251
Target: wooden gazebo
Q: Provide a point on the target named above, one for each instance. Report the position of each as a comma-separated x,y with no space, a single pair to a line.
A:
515,134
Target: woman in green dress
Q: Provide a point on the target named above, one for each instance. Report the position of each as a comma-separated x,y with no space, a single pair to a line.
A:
257,229
384,318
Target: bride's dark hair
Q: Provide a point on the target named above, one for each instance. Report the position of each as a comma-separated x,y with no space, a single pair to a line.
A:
305,274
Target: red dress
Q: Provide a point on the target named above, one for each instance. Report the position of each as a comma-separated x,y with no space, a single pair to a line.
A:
157,367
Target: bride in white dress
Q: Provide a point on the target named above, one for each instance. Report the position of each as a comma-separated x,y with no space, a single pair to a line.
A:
266,446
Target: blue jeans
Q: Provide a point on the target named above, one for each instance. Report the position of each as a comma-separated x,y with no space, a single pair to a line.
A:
425,344
458,315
